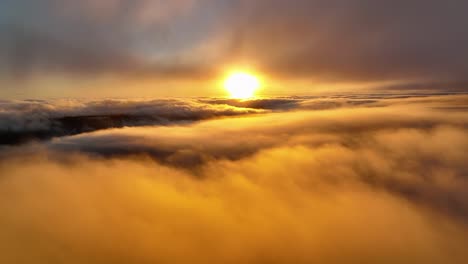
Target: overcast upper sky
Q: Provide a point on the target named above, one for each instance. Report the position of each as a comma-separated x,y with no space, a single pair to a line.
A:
66,48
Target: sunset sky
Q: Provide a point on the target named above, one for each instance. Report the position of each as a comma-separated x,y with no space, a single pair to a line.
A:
233,131
123,48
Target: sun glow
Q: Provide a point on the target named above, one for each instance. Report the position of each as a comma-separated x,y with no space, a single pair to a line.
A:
241,85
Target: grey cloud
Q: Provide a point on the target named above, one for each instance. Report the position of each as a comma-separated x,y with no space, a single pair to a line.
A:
356,40
89,37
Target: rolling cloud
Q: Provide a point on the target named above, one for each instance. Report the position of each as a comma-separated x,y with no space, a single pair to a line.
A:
379,182
29,120
22,121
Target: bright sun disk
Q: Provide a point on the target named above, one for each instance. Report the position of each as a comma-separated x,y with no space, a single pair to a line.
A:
241,85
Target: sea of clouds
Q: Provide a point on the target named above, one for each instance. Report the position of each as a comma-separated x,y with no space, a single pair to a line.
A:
339,179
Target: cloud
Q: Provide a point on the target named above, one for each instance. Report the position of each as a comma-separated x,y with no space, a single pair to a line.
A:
89,38
378,182
355,40
387,137
21,121
285,204
29,120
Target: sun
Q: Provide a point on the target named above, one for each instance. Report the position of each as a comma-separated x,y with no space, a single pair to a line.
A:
241,85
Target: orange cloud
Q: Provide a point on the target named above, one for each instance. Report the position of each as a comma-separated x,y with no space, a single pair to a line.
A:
382,184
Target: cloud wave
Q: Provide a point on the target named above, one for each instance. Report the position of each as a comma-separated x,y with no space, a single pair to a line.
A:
29,120
22,121
379,184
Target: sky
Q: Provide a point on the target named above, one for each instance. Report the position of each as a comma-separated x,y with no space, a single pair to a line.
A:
178,48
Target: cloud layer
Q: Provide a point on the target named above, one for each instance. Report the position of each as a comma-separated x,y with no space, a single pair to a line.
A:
22,121
355,184
29,120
